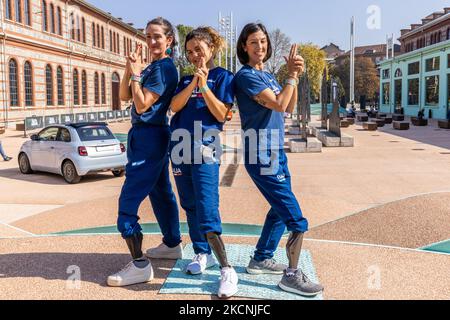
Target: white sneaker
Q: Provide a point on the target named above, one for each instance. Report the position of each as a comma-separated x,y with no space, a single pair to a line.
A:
200,263
131,275
164,252
228,283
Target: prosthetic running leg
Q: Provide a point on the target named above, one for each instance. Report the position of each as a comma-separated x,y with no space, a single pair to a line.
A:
218,247
294,248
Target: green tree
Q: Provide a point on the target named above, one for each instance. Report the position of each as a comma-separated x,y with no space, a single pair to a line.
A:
366,77
182,63
314,62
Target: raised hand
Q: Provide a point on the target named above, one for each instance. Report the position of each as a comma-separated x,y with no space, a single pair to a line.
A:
295,62
202,73
134,61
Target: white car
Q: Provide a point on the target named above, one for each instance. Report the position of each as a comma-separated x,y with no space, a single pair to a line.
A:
73,151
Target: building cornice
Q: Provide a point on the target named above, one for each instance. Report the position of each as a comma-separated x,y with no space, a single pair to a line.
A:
425,26
108,16
62,50
417,53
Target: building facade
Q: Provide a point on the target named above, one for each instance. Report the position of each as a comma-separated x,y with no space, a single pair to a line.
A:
332,51
61,56
434,28
376,53
419,79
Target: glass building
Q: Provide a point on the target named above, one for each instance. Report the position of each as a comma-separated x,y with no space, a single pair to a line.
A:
417,80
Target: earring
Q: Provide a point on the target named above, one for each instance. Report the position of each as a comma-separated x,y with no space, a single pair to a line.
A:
169,51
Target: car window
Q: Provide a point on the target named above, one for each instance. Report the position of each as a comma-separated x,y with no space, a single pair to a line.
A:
92,133
63,135
49,134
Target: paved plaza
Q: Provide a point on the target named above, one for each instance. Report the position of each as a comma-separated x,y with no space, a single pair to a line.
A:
372,210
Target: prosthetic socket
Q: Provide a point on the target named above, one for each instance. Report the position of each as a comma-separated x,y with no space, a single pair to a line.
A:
134,244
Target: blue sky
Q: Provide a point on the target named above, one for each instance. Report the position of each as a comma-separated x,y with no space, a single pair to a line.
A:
317,21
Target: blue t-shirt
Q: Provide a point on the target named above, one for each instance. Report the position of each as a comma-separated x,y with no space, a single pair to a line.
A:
160,77
249,82
220,83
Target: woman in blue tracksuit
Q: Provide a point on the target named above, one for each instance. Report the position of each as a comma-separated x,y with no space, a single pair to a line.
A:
147,172
262,103
201,103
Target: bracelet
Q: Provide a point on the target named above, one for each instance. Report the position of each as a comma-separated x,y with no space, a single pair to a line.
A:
291,81
204,89
135,78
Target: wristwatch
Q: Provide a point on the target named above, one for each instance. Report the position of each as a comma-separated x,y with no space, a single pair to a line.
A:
135,77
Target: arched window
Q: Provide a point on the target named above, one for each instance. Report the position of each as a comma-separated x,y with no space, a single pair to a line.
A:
78,29
44,16
98,36
18,10
60,85
8,9
84,87
110,41
118,44
448,33
76,88
114,42
96,89
93,34
28,83
13,84
83,30
72,26
27,12
52,18
49,84
124,46
103,38
398,73
103,89
59,22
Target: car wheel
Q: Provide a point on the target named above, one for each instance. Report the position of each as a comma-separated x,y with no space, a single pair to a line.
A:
24,164
70,172
118,173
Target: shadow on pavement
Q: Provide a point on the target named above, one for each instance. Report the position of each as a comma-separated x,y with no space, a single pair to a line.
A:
93,267
50,178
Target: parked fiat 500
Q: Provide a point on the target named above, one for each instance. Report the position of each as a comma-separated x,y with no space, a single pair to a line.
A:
73,151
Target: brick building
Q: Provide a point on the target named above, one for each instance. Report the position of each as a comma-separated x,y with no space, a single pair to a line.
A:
435,28
376,53
61,56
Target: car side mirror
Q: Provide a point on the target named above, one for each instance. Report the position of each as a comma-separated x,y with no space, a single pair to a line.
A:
34,137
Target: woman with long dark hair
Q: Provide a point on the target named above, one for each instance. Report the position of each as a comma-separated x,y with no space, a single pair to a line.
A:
147,171
262,103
